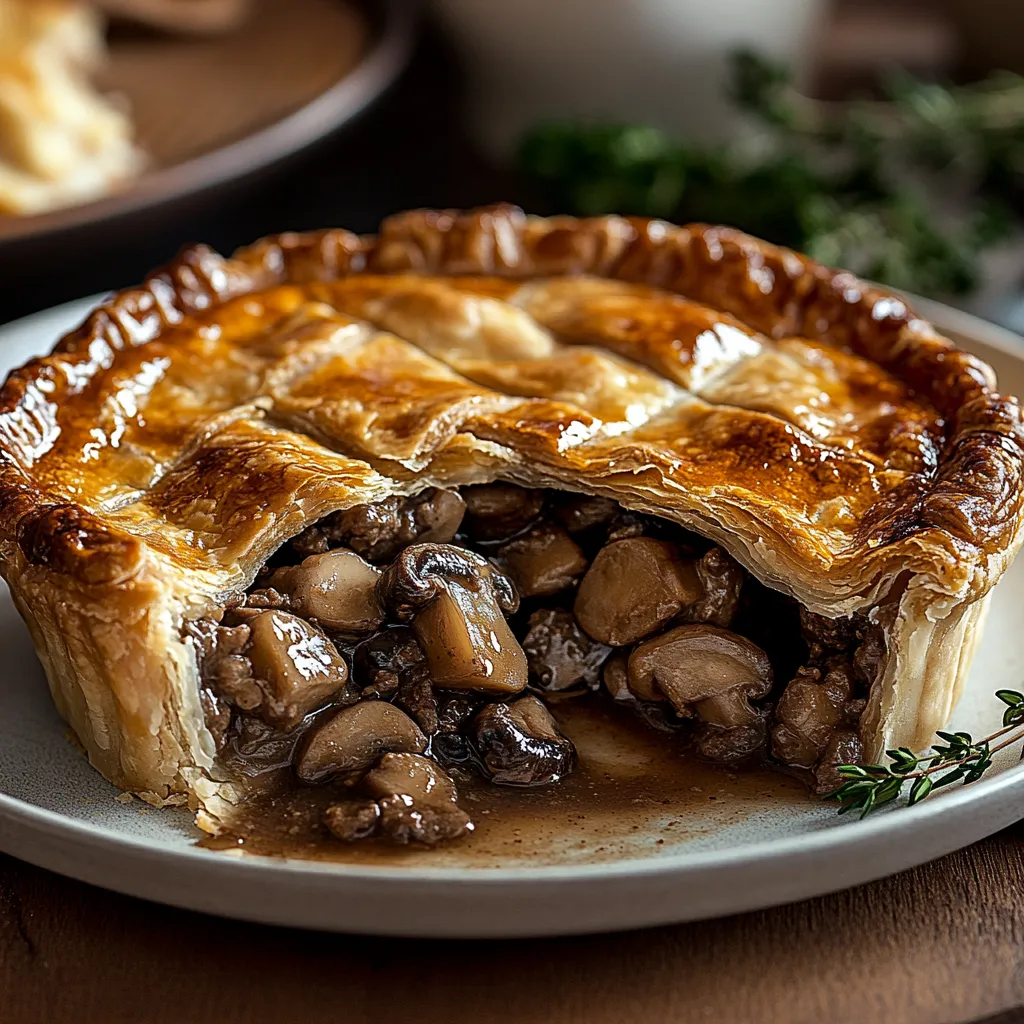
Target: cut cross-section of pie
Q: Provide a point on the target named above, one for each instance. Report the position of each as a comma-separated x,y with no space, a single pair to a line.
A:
351,511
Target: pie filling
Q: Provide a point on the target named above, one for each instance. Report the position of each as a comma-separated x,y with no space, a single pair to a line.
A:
391,648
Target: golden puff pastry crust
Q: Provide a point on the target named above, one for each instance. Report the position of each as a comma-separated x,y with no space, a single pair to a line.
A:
833,442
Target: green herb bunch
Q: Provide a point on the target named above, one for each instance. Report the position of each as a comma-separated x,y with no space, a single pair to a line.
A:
958,759
849,184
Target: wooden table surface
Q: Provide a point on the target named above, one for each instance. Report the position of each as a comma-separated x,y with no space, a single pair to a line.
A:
942,943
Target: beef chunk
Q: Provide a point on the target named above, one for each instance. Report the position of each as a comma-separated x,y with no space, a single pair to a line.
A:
807,714
826,636
499,511
379,531
579,512
352,819
543,561
416,697
416,799
729,744
391,664
217,715
843,747
520,744
722,580
870,655
560,655
455,713
223,665
380,661
267,598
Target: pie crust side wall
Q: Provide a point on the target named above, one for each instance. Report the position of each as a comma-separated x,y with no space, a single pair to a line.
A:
105,612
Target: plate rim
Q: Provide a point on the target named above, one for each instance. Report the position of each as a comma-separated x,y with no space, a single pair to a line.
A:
288,135
877,827
57,842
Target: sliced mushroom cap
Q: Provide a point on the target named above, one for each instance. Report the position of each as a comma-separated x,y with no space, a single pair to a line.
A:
520,744
498,511
633,588
543,561
299,668
336,589
560,655
702,670
712,674
353,738
455,600
417,800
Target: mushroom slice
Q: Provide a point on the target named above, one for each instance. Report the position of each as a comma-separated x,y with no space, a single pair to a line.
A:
353,738
499,511
416,799
336,590
633,588
298,668
519,744
560,655
455,600
712,674
543,561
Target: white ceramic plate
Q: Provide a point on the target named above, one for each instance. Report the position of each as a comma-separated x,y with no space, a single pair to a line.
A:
55,811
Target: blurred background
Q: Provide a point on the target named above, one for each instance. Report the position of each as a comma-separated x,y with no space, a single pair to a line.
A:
887,137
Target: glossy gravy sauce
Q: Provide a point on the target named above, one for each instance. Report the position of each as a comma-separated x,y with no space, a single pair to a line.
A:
636,791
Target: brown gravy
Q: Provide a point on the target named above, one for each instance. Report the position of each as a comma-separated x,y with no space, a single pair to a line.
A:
635,792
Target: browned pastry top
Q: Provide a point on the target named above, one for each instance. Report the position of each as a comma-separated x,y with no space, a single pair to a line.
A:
735,386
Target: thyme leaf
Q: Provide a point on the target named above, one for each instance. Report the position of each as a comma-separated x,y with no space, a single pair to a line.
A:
958,758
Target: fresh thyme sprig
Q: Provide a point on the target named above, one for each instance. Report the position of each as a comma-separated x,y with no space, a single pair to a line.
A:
959,758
